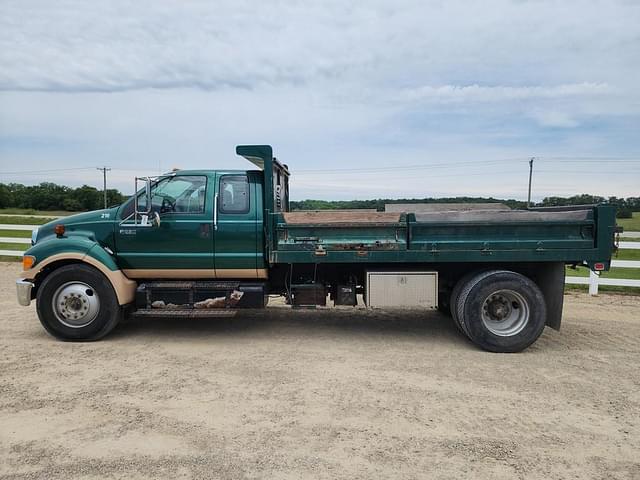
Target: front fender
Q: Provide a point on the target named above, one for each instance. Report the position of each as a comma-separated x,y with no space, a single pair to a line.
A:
80,249
48,247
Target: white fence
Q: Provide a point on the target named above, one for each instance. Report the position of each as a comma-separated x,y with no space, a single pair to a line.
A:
593,280
17,227
14,240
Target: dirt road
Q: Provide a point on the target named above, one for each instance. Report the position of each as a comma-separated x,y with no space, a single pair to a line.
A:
320,394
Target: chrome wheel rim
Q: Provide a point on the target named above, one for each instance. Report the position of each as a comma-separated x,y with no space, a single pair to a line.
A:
505,313
75,304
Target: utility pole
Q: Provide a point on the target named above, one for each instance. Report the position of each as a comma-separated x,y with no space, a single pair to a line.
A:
104,177
530,175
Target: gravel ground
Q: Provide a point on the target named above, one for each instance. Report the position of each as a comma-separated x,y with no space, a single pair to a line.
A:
320,394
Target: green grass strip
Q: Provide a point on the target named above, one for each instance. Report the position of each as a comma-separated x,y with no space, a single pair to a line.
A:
624,254
604,289
623,273
15,233
630,224
14,246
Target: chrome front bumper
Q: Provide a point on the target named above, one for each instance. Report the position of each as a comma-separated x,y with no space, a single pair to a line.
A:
23,288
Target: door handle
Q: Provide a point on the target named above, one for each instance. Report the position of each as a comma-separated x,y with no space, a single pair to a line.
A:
215,212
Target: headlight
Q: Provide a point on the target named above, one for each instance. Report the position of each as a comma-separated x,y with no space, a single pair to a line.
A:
34,236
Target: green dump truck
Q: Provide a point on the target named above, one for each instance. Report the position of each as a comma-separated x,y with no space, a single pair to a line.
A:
192,242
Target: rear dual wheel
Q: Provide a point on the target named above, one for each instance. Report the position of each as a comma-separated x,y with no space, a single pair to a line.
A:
499,310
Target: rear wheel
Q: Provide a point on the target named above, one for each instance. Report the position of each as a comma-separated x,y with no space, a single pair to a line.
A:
501,311
77,302
453,302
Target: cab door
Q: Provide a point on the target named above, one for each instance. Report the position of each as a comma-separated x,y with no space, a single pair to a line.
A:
238,227
182,245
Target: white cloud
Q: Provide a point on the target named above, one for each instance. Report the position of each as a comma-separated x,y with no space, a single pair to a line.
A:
554,118
501,93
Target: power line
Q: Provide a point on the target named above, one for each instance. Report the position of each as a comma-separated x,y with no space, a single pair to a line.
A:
406,167
401,174
35,172
565,159
616,158
601,162
335,171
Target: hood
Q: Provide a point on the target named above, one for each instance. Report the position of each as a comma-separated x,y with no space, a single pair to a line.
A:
97,223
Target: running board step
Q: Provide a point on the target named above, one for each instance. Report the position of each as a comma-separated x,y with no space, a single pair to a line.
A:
199,295
184,313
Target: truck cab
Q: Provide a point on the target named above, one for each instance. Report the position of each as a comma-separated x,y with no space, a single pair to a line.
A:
210,225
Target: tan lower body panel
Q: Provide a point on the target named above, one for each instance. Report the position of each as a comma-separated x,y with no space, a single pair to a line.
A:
125,289
241,273
195,273
169,273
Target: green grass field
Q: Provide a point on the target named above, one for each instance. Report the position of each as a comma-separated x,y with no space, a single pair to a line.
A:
603,289
15,233
627,273
627,254
630,224
14,246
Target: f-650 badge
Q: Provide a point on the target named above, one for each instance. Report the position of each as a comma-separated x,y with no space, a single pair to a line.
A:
105,215
128,231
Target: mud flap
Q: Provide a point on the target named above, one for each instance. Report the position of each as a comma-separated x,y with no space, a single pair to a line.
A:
550,279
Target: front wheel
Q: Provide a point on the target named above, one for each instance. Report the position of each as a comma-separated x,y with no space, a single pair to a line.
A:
77,303
501,311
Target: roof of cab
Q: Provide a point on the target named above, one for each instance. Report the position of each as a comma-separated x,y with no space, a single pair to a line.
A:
206,172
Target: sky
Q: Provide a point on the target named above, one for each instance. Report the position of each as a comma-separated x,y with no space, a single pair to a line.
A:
369,99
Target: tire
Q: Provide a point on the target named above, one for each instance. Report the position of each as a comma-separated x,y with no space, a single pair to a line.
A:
86,307
501,311
453,303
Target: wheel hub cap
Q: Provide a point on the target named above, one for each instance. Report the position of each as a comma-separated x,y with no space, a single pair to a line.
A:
498,308
505,313
76,304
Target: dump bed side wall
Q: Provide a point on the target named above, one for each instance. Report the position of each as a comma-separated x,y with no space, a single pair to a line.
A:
588,238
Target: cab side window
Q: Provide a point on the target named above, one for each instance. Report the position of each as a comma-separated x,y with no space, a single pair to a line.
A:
234,194
179,194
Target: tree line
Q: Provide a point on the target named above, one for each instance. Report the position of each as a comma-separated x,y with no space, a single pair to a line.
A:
51,196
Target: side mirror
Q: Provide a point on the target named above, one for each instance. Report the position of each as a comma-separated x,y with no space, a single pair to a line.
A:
147,192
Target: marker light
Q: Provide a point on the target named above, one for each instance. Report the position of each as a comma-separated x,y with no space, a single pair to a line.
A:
598,267
59,229
28,261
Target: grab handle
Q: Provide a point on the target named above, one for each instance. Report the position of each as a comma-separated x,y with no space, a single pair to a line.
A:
215,212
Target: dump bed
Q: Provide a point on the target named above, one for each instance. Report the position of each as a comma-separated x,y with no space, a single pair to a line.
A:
569,234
